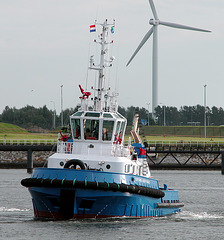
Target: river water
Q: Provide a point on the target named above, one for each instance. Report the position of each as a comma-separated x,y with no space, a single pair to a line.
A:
201,218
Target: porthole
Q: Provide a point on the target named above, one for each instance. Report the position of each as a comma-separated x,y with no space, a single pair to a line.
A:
61,164
108,166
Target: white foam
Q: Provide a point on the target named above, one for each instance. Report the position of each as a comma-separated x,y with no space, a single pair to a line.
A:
198,216
4,209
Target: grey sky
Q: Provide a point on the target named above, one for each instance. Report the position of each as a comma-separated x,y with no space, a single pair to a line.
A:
46,43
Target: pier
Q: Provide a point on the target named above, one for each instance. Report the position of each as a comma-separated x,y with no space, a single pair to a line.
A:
29,147
181,155
170,159
159,155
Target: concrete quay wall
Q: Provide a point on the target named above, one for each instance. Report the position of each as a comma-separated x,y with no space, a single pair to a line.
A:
18,159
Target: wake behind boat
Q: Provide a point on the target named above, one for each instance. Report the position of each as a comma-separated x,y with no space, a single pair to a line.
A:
92,174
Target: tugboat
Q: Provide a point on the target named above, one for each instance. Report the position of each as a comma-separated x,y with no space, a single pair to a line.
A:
93,174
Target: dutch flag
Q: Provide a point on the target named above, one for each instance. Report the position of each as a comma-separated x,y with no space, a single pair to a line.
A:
93,28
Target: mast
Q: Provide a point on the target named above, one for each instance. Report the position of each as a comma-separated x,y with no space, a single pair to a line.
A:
99,100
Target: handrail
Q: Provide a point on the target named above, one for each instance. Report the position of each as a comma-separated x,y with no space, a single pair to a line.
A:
27,141
182,143
151,143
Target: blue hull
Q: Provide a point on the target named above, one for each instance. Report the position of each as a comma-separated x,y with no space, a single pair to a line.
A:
63,202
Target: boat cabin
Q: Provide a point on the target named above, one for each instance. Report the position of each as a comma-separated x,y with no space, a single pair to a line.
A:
103,127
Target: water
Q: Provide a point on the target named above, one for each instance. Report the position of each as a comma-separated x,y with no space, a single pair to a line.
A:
201,218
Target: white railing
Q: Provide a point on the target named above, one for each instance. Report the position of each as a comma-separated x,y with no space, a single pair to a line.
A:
27,141
119,150
67,147
151,143
187,143
64,147
182,143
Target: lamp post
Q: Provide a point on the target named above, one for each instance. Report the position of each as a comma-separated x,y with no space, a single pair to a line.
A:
205,109
54,115
164,114
62,107
148,112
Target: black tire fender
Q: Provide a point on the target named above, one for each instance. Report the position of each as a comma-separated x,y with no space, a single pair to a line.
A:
74,163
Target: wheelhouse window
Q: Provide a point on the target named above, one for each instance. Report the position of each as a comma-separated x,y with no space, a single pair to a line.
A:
91,129
122,128
76,128
107,130
77,114
107,115
118,128
92,114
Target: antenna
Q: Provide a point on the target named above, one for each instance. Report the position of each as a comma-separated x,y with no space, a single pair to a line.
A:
154,30
102,65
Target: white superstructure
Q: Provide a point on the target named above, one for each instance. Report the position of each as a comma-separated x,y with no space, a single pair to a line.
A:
97,132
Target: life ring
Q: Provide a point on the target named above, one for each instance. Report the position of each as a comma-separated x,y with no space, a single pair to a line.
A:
73,163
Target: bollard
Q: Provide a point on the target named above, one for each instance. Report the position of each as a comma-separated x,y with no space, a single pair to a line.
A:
30,161
222,164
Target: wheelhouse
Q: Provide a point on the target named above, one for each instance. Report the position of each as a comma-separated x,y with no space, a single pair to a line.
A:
105,127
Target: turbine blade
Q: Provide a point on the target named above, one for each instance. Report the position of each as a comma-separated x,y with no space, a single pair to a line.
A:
175,25
146,37
153,9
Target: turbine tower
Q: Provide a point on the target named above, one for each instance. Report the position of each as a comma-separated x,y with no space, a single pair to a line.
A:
154,30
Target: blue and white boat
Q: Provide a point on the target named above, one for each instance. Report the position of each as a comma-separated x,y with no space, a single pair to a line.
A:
93,174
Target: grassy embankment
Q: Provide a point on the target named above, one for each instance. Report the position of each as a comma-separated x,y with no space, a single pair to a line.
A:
10,131
151,133
181,133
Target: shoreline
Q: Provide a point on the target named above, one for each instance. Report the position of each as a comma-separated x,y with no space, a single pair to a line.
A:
19,165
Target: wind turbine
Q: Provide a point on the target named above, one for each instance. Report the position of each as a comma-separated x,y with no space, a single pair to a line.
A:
154,30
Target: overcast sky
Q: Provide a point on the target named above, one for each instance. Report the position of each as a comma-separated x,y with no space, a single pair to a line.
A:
46,43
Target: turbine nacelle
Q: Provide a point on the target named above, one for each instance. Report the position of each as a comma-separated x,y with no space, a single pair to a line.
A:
154,22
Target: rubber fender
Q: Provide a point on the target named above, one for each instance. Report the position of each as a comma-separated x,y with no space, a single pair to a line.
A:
79,184
73,163
56,182
39,182
92,185
123,187
113,186
103,186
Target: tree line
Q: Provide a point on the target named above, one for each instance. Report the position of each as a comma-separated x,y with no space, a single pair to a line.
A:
171,116
29,116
